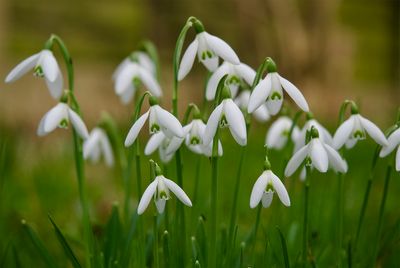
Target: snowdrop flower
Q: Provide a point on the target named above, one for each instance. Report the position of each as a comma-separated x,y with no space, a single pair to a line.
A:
277,135
132,71
159,120
208,49
393,142
44,65
354,129
311,122
60,116
142,58
160,189
161,142
270,90
261,114
236,75
316,154
97,144
226,114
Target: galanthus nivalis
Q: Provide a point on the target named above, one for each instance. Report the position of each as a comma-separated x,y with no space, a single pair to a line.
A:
44,65
242,100
208,49
60,116
226,114
270,90
96,145
161,142
265,187
237,74
142,58
325,136
354,129
159,120
160,189
277,135
393,142
316,154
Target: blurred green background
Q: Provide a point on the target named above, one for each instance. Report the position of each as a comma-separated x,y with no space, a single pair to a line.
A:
333,50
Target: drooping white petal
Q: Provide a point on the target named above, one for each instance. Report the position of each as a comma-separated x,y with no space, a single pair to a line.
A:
260,94
373,131
154,142
335,159
212,83
212,124
160,205
246,72
318,155
40,131
176,142
55,116
236,122
107,149
55,87
146,62
147,196
125,77
296,160
49,65
398,159
169,121
128,94
134,131
188,59
91,143
78,124
275,98
262,113
294,93
343,133
207,149
221,48
276,136
393,141
267,198
22,68
120,67
279,188
180,194
149,82
258,190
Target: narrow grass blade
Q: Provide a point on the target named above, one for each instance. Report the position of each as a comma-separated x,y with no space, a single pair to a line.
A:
284,248
166,253
112,238
126,254
63,242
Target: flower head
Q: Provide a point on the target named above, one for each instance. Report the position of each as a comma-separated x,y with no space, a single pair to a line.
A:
160,189
161,142
44,65
325,136
393,142
277,135
265,187
208,49
97,144
354,129
237,74
261,114
60,116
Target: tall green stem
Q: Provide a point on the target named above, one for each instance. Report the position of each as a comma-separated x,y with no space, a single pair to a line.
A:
305,222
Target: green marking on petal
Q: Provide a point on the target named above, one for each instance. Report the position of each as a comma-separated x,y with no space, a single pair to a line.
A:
308,162
154,128
38,71
269,187
359,134
275,96
64,123
223,122
194,140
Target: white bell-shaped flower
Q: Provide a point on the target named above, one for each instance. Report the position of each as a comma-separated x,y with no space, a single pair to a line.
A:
325,136
142,58
242,100
209,49
316,154
44,65
159,120
354,129
160,189
226,114
237,74
393,143
60,116
265,187
277,135
96,145
161,142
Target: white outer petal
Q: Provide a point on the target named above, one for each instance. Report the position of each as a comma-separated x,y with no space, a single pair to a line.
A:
398,159
176,142
134,131
393,141
154,142
55,87
107,149
343,133
124,78
55,116
335,159
236,122
221,48
49,65
274,138
169,121
279,188
260,94
318,155
147,196
212,124
91,143
188,59
180,194
373,131
149,81
294,93
258,190
78,124
22,68
213,82
245,72
296,160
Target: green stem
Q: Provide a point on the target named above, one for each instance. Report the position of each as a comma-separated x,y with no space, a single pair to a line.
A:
156,257
340,200
305,223
254,236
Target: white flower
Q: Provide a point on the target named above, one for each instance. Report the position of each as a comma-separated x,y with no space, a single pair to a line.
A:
393,142
264,188
261,114
161,142
277,135
126,75
97,144
159,119
208,49
60,116
270,90
354,129
325,136
226,114
317,154
142,58
44,65
159,189
194,132
236,75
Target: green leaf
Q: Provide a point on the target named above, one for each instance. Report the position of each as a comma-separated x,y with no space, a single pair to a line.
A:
112,238
127,254
63,242
284,248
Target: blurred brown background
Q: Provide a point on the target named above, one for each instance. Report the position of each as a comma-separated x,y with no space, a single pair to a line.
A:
331,49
